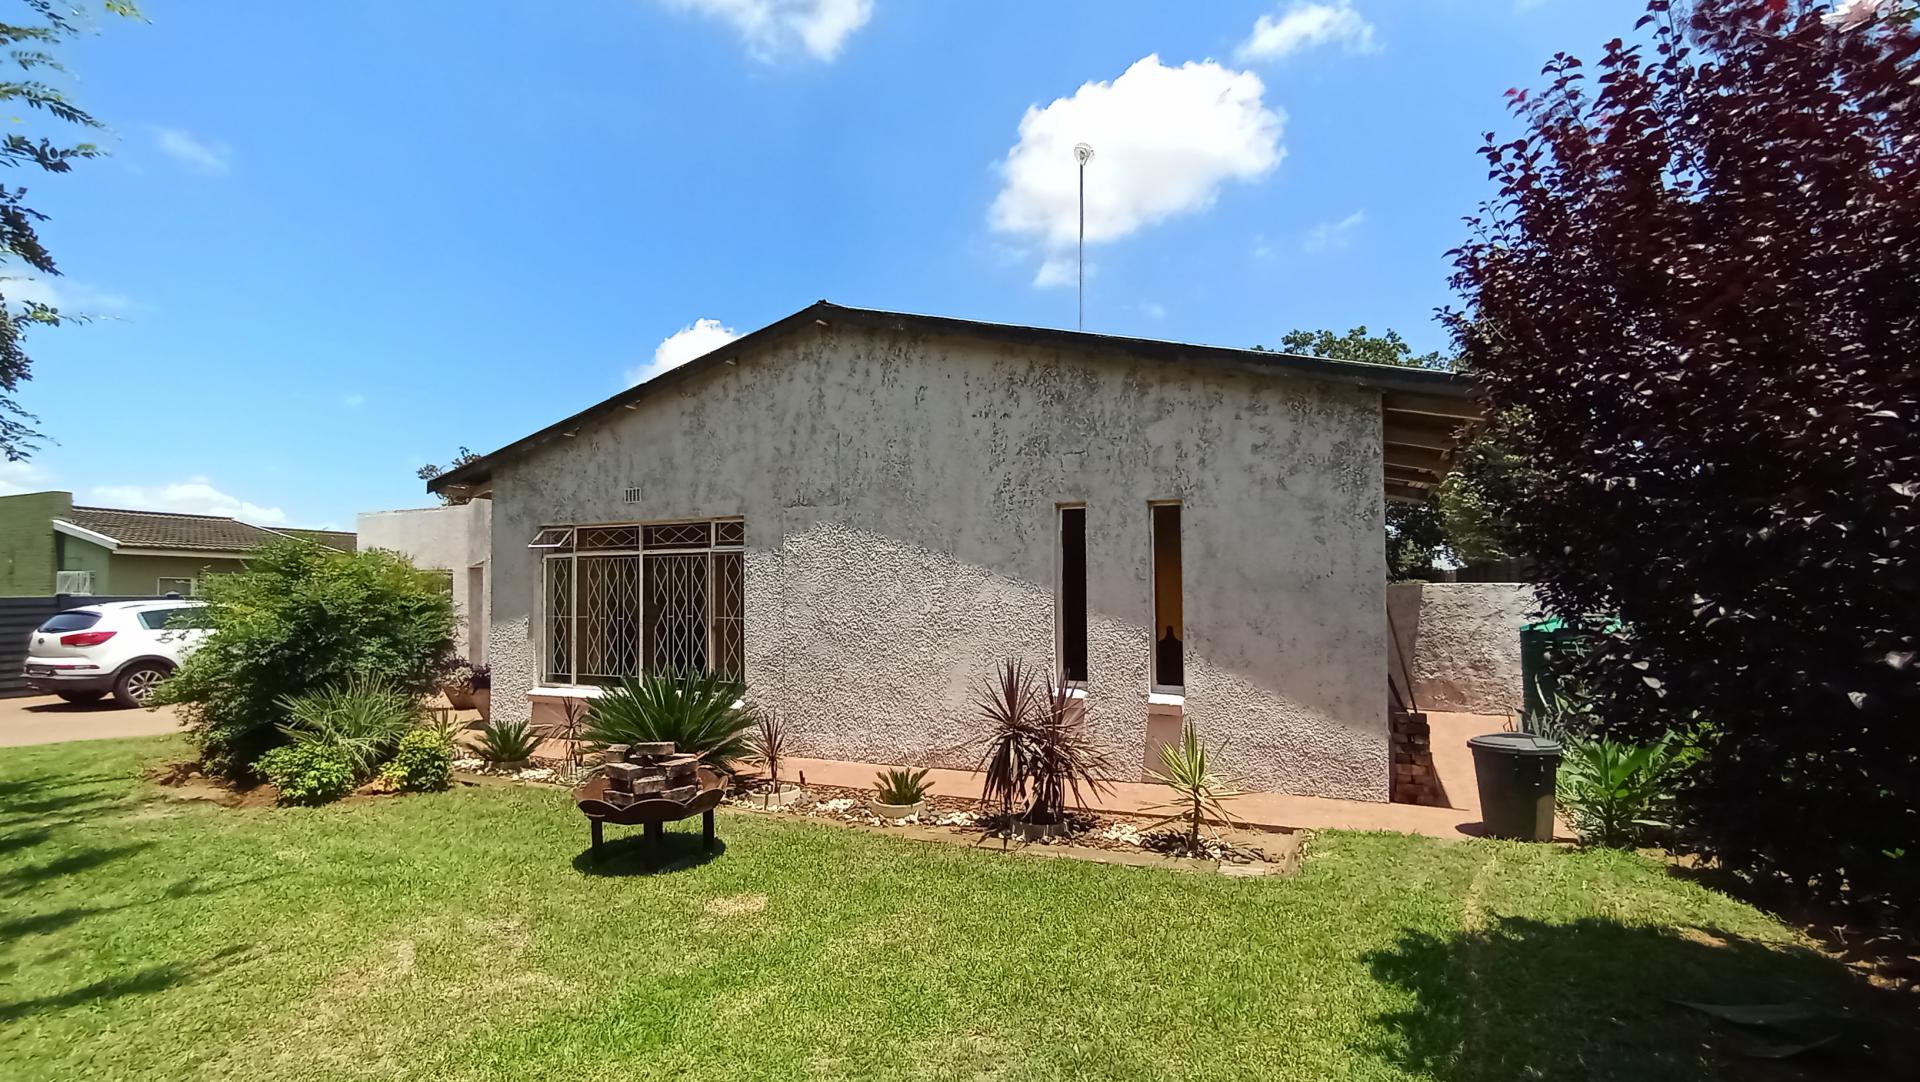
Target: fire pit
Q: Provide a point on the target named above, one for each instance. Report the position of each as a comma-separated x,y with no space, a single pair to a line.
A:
650,785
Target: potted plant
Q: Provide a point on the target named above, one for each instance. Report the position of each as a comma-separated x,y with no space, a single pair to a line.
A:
1038,752
482,681
901,793
768,746
457,682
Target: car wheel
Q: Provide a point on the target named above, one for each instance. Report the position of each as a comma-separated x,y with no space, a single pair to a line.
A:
81,696
135,684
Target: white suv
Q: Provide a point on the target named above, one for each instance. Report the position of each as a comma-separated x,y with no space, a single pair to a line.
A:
126,647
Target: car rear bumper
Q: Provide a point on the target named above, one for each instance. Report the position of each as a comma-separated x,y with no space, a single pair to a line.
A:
56,675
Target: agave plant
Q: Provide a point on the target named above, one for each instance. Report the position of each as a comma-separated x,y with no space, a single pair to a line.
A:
699,713
507,742
1612,791
901,786
364,718
1199,793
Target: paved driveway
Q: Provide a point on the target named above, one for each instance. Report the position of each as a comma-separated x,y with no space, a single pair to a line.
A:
47,719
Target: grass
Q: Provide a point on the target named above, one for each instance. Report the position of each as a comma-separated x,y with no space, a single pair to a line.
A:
459,936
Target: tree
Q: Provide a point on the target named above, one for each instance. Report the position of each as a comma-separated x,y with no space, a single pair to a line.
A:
300,618
1699,283
29,44
430,471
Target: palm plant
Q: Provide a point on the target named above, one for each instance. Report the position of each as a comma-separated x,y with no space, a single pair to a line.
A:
901,786
1611,791
363,717
1198,791
507,742
1038,752
699,713
768,743
1005,704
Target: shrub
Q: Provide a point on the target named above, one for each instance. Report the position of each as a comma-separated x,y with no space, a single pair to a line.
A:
307,773
1612,791
768,743
299,618
1038,751
362,717
898,785
507,741
459,675
1693,290
1198,791
698,713
423,763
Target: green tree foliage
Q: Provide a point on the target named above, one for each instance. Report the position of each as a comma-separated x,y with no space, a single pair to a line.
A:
1358,345
430,471
29,44
1697,278
302,618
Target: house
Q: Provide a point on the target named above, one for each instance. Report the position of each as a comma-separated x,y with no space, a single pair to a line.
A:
860,512
456,539
48,545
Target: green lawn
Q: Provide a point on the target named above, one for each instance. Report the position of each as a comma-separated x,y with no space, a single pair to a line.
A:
455,936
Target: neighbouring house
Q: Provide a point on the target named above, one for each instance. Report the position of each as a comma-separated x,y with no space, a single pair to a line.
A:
861,512
50,546
456,539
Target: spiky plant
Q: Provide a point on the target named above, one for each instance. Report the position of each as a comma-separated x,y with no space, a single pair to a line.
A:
1198,791
1062,760
768,743
363,717
507,741
901,786
1005,705
699,713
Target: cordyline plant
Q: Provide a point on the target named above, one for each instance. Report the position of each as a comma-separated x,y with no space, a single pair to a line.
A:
1695,300
1198,792
1039,755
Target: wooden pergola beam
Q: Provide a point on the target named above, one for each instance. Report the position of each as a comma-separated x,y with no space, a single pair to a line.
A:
1430,405
1399,493
1420,430
1415,458
1411,477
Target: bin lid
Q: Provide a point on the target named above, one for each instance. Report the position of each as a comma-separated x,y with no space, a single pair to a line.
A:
1516,744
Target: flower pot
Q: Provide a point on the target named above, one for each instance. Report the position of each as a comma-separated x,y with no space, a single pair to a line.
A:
897,811
459,698
482,700
1039,832
773,799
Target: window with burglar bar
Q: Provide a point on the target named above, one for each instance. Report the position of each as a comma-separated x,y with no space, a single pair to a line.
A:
623,599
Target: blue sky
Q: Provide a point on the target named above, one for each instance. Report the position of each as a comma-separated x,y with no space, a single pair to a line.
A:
334,241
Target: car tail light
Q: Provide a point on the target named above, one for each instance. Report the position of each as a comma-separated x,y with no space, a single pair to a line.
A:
85,638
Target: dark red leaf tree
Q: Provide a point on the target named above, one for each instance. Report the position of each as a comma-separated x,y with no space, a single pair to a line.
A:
1698,291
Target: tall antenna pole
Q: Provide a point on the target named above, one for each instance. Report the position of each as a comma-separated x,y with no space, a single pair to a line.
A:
1083,153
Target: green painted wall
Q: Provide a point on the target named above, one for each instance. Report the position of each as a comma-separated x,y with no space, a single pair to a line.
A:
28,557
78,555
142,574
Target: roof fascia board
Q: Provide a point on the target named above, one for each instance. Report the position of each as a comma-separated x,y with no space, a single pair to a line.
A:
61,525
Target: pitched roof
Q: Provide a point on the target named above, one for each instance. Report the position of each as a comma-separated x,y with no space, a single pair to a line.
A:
189,533
1415,383
344,540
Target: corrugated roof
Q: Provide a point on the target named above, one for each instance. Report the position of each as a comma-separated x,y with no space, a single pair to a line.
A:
191,533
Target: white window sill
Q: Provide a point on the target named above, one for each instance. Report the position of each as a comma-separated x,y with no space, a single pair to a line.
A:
569,691
1076,693
1167,698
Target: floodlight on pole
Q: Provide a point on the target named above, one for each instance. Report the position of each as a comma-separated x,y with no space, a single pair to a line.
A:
1083,153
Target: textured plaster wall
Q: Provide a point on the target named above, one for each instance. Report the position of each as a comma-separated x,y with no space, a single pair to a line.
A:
452,538
1463,641
900,496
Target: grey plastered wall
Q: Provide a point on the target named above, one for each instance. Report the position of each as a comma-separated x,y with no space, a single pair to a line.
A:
1463,642
900,494
457,539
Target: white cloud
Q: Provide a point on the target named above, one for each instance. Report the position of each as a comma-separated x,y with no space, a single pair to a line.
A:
1153,309
700,338
213,159
773,28
18,477
1165,140
1305,26
1332,236
353,401
194,496
71,297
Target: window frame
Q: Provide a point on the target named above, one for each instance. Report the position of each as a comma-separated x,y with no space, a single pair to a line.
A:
1153,598
1060,610
568,549
160,587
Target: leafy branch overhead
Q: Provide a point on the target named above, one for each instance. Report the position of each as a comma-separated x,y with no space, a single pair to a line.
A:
23,254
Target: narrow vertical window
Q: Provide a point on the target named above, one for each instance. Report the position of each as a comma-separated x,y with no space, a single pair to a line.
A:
1169,623
1073,595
